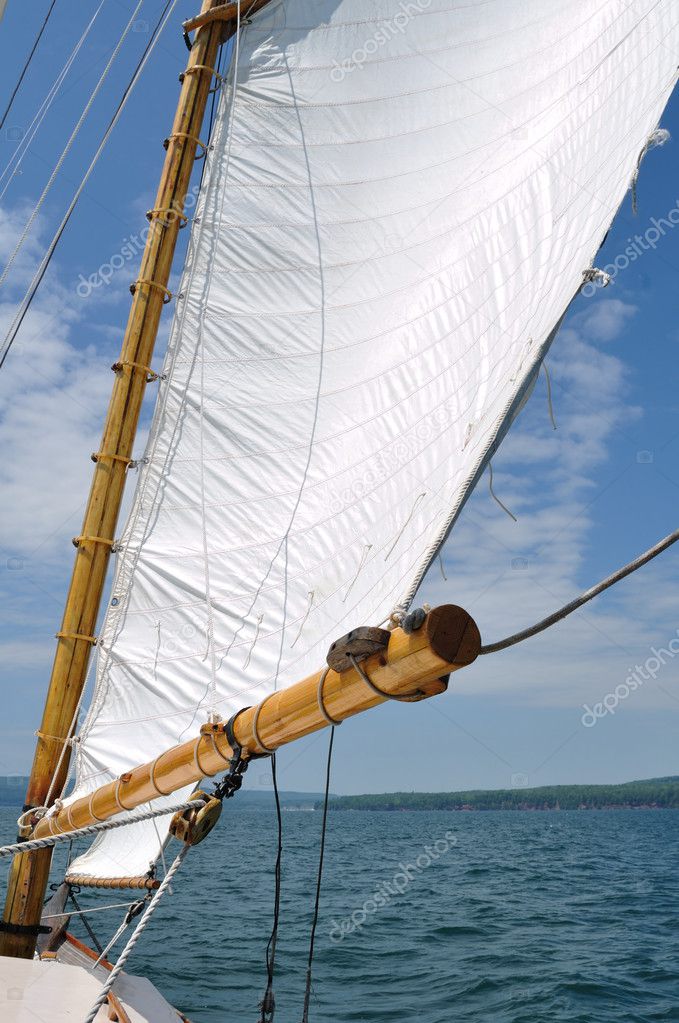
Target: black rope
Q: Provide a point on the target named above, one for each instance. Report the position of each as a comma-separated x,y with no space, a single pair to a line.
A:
57,238
27,64
319,879
86,924
213,104
268,1004
557,616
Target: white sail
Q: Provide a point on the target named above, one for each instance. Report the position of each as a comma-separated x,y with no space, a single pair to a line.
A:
399,204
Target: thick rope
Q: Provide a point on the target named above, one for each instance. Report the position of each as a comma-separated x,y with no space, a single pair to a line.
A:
135,936
93,829
557,616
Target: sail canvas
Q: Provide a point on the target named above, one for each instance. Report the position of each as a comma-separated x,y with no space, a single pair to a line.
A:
400,200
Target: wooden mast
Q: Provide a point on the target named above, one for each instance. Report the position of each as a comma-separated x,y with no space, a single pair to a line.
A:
447,640
29,874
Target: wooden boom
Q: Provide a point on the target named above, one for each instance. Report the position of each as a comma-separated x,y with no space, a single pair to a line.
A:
412,666
29,874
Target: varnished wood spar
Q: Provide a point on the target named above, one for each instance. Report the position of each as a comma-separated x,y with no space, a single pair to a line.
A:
448,640
147,883
29,874
226,13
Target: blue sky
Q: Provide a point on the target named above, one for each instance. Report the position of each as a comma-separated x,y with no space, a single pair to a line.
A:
588,496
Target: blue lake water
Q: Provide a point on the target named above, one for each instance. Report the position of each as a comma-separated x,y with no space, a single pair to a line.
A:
433,916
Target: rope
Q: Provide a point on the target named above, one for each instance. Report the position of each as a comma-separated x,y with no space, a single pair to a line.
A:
93,829
557,616
84,912
376,689
494,495
27,64
93,938
268,1003
319,878
16,159
10,337
135,936
550,406
74,134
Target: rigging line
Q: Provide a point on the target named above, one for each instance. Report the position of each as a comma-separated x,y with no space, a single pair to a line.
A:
319,879
20,152
550,406
40,273
31,844
27,64
494,495
93,938
594,591
268,1004
73,136
135,936
134,910
86,912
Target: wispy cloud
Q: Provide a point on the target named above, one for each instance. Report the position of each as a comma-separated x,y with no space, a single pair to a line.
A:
511,574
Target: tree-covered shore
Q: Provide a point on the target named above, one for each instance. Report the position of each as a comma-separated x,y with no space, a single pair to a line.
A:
653,793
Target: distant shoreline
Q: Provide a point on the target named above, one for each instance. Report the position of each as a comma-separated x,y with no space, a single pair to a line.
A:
650,794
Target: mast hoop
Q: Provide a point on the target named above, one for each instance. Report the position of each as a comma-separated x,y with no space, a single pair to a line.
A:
321,702
151,284
76,635
255,728
205,67
97,456
69,740
79,540
159,211
151,375
191,138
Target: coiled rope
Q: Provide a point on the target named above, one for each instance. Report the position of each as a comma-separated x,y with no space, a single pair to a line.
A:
93,829
557,616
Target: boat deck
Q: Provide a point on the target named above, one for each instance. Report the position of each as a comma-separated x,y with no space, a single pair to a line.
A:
62,986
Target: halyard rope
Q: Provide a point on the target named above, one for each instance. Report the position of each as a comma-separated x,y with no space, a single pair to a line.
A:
567,609
93,829
135,936
74,134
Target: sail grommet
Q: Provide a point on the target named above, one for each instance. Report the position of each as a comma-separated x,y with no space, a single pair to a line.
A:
255,728
321,703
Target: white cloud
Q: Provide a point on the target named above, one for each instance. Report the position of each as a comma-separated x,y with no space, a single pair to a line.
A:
509,575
